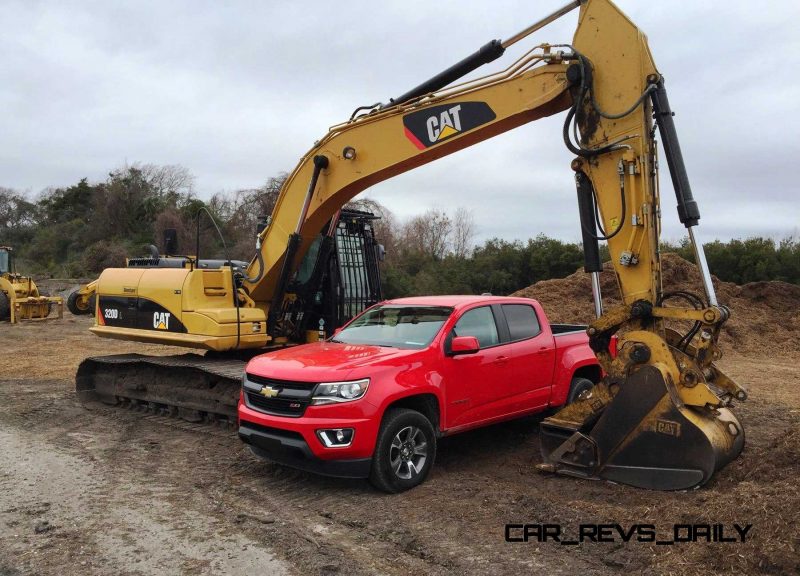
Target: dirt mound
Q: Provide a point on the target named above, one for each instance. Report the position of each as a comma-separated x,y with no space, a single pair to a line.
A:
764,315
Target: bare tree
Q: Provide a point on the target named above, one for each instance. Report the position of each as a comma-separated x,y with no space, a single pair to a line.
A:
245,209
429,233
15,210
167,179
171,218
463,231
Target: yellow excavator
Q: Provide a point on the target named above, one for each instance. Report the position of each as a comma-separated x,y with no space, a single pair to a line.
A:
661,417
20,298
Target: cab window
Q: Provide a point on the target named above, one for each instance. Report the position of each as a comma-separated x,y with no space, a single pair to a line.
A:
478,322
522,321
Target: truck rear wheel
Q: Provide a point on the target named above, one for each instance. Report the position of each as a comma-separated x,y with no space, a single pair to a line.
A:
404,452
578,387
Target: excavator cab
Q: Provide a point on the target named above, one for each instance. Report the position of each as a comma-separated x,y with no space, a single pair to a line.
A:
337,279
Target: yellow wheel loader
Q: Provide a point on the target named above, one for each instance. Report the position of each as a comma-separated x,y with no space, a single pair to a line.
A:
20,298
660,419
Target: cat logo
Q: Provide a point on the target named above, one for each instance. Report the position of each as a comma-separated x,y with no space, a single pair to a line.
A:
668,427
435,124
268,392
444,125
161,320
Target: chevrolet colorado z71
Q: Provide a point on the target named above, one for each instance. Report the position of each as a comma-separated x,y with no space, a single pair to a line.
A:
372,400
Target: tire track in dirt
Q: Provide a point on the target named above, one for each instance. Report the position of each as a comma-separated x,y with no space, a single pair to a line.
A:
88,513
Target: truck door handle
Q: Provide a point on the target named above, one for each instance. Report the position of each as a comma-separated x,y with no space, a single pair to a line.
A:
501,360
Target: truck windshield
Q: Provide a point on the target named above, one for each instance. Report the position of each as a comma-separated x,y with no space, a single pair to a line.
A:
4,264
396,326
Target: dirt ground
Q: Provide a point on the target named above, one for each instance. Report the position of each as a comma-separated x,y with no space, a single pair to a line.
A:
104,491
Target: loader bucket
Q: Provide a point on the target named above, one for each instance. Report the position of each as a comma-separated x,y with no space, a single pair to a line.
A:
641,437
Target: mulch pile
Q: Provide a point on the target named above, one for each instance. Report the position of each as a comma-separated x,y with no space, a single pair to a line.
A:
764,315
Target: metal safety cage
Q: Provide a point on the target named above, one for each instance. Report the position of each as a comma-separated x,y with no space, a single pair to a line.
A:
353,273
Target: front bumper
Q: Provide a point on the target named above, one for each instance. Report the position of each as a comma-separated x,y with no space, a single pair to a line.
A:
291,449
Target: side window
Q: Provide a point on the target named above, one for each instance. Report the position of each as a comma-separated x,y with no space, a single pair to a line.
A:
522,321
478,322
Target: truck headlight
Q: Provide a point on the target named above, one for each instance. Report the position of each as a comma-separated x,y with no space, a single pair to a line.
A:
330,392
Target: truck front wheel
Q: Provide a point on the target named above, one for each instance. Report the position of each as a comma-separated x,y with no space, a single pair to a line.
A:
404,452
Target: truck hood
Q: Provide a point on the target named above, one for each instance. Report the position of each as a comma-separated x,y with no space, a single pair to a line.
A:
327,361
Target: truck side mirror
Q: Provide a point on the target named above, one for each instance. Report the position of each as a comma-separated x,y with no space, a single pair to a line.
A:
170,241
464,345
380,250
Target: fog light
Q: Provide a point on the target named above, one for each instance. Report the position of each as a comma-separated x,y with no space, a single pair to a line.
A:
336,437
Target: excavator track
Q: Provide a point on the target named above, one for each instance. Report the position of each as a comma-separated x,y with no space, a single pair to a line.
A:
192,387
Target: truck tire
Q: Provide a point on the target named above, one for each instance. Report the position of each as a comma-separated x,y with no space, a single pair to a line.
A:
404,452
5,306
578,387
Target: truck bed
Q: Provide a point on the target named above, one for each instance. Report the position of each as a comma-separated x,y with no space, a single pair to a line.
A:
561,329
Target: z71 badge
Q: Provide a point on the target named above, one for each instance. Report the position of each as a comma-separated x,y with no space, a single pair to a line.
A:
439,123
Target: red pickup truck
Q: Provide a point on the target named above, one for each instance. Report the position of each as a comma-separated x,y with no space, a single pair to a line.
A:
371,401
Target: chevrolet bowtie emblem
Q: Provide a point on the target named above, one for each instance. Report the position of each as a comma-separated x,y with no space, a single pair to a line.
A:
268,392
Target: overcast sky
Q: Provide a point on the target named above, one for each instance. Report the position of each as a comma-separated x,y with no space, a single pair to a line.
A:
238,91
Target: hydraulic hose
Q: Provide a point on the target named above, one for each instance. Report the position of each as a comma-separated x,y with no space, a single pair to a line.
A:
260,259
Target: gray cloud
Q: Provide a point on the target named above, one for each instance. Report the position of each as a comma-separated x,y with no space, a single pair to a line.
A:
237,92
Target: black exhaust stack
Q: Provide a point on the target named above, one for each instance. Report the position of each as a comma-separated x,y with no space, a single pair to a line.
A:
170,241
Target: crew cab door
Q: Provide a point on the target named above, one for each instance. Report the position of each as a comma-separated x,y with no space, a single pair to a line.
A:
475,383
533,356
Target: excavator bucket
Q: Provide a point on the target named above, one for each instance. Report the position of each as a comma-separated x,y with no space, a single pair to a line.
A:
641,436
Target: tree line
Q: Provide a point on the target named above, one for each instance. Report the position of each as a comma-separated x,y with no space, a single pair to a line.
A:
79,230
